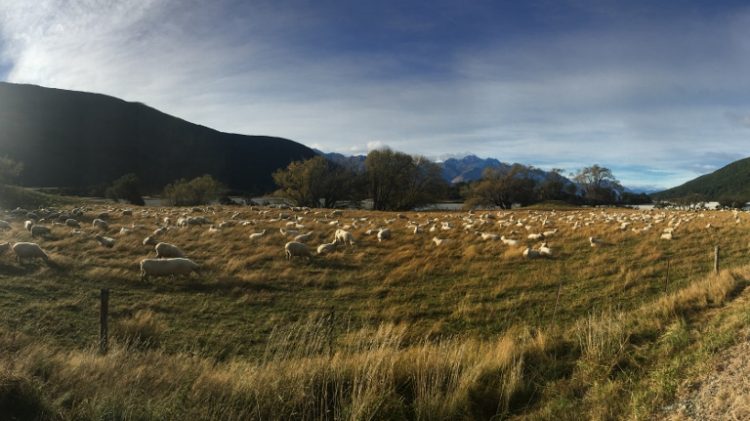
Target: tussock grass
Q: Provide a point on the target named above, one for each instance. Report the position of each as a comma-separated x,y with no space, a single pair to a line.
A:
399,329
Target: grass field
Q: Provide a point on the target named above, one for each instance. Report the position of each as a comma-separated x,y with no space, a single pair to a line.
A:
398,329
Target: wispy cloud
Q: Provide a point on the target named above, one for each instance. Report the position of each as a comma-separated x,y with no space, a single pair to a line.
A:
645,93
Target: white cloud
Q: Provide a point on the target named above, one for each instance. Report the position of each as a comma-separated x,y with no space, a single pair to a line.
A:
657,96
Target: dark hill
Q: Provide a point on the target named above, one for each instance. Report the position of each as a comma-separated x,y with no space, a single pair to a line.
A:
732,181
79,140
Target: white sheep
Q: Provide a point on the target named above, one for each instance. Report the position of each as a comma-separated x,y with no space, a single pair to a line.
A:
544,250
4,247
72,223
438,241
256,235
326,248
28,224
535,237
166,250
149,241
4,225
529,253
100,224
509,241
105,241
595,242
29,251
384,234
295,249
666,236
303,238
343,237
167,267
486,236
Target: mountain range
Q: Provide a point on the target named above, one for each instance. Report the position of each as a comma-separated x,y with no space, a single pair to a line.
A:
730,181
78,140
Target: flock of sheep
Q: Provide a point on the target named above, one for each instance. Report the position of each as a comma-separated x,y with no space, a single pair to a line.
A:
530,232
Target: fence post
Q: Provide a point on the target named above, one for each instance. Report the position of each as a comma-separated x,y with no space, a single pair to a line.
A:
103,310
666,279
716,259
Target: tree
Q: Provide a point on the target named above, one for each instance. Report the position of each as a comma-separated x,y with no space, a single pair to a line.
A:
9,169
553,187
198,191
126,188
599,184
315,182
502,188
398,181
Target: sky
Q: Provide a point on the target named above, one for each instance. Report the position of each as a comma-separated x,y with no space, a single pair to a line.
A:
657,91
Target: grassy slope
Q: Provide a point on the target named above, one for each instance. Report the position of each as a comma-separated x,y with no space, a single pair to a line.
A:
12,197
732,180
439,326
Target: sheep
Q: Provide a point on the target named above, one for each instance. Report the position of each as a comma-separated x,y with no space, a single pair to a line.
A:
29,251
256,235
529,253
72,223
666,236
303,238
105,241
159,231
100,224
508,241
384,234
326,248
167,267
4,225
343,237
295,249
544,250
40,231
125,231
28,224
149,241
536,237
166,250
438,241
486,236
4,247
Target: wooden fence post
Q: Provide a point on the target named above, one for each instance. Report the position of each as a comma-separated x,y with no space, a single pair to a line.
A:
716,259
103,312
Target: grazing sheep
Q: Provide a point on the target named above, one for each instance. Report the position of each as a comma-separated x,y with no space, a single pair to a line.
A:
4,247
295,249
125,231
303,238
343,237
28,224
4,225
40,231
666,236
29,251
326,248
438,241
72,223
166,250
159,231
529,253
149,241
105,241
256,235
544,250
595,242
508,241
100,224
486,236
535,237
384,234
167,267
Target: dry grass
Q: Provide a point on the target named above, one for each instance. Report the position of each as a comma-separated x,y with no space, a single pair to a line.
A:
400,329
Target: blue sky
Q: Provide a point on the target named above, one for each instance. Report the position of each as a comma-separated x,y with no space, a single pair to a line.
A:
657,91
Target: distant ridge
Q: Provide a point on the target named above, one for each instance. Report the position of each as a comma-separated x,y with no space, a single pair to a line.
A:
81,140
731,181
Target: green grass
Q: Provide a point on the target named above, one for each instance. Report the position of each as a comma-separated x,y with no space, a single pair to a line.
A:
467,331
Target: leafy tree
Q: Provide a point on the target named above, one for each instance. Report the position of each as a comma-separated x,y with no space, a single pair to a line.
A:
198,191
732,201
9,169
599,184
315,182
398,181
502,188
126,188
554,186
